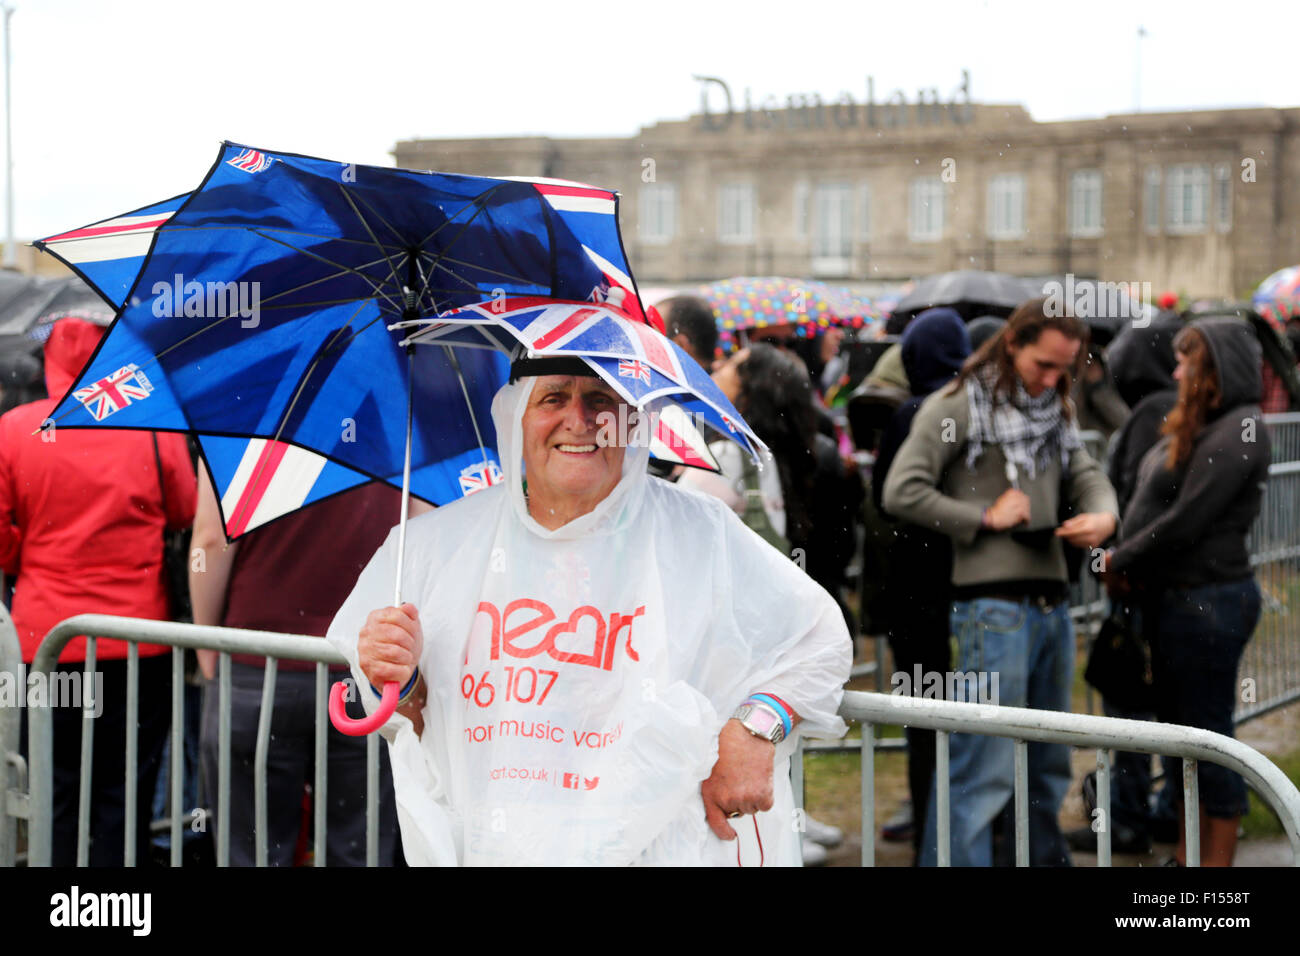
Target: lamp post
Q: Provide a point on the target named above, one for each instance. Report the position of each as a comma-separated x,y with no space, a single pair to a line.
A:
10,260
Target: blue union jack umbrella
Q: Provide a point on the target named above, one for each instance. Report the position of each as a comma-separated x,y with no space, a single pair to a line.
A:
648,370
306,399
262,311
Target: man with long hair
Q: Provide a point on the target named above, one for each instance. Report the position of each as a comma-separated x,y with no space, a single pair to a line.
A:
987,462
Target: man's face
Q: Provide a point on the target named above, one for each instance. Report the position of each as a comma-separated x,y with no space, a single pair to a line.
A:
562,457
1041,364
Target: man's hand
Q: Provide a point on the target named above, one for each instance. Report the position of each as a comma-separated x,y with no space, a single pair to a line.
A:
1011,509
390,645
741,780
1087,530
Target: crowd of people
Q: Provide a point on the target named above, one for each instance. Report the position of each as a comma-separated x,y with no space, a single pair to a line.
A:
977,500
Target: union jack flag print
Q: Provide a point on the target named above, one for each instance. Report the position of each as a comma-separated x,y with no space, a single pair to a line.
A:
634,369
114,393
251,161
478,476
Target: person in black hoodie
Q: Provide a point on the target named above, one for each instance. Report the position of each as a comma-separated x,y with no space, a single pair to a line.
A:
1184,546
912,606
1142,363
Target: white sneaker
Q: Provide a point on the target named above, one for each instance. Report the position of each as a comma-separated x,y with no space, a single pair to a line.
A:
822,833
813,854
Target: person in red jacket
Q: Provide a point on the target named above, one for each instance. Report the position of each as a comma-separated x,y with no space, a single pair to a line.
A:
81,528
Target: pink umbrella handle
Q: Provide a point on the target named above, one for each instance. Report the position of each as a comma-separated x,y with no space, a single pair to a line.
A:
366,725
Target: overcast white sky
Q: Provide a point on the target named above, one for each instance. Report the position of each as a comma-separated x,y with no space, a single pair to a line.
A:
117,103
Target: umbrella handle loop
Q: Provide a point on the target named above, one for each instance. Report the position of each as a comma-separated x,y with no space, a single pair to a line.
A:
366,725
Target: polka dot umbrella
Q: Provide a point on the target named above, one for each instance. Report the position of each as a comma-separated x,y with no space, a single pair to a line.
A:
800,306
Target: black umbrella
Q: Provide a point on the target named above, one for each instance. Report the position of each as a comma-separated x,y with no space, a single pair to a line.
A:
971,292
27,302
1106,307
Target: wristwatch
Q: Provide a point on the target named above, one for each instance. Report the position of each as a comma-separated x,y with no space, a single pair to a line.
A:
761,721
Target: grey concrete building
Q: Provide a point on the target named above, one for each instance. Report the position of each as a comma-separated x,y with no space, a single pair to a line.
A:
1207,203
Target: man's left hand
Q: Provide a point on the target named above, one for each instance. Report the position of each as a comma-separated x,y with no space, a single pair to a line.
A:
741,781
1087,530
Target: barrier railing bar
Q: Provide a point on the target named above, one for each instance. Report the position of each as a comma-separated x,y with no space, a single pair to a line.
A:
223,760
372,800
942,819
87,755
868,794
259,761
132,751
319,782
1022,802
1192,808
11,662
176,759
1102,825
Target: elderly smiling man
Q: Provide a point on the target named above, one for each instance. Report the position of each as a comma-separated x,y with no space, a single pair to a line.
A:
599,667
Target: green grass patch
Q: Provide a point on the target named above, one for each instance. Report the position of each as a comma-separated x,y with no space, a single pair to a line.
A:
1261,821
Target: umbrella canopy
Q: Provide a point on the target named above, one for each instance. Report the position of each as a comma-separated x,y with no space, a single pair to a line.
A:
647,369
257,307
746,303
971,292
254,313
1105,307
1278,297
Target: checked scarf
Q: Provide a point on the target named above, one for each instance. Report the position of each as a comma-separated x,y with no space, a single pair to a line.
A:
1030,430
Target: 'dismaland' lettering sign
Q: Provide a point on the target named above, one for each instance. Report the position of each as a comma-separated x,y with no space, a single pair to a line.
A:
802,111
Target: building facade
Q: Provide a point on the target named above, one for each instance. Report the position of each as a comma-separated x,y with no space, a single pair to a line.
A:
1206,203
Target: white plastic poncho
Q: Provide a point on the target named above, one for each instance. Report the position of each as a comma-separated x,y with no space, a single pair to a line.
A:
578,678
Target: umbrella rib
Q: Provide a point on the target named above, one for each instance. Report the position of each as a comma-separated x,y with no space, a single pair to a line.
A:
460,376
454,240
291,232
476,201
392,272
311,369
374,212
472,265
338,265
284,292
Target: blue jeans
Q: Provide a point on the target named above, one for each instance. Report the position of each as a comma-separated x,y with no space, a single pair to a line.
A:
1199,638
1029,651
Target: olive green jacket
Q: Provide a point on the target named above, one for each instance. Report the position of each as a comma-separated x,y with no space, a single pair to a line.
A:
930,485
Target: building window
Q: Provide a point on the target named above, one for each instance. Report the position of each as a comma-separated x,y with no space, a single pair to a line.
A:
1007,206
1085,203
1151,199
657,217
801,191
833,221
864,212
927,214
736,213
1223,197
1187,198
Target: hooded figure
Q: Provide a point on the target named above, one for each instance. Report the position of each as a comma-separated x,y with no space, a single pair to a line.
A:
64,489
1142,363
578,678
1184,551
1187,527
82,514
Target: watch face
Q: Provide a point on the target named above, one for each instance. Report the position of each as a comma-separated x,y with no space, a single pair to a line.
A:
762,721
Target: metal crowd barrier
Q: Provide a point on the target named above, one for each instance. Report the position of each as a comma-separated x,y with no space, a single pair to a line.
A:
227,641
1272,658
1078,730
